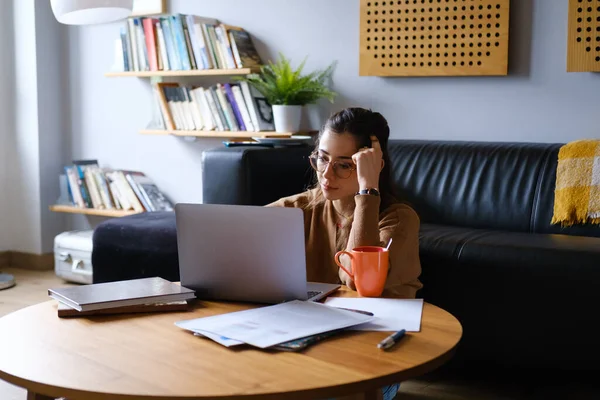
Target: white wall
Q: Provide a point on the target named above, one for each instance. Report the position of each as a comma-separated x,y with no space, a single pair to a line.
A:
24,179
54,139
538,101
6,120
33,134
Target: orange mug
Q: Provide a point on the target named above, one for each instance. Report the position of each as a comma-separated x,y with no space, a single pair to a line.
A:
370,266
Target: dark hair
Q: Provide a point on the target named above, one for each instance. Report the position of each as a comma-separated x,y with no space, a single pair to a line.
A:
361,124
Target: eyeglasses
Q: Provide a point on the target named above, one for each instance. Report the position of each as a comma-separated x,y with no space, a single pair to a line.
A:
342,169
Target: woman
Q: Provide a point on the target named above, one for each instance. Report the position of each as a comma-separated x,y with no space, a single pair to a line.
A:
353,205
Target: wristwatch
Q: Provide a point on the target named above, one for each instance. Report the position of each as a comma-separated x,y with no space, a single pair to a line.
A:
372,192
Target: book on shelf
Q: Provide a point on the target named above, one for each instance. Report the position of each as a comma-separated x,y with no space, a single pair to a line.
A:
182,42
90,186
244,52
133,292
221,107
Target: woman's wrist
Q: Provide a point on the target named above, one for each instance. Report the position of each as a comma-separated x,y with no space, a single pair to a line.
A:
368,185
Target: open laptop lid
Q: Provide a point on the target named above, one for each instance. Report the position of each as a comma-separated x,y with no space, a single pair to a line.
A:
242,253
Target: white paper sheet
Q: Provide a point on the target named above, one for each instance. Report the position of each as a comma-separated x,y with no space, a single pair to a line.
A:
271,325
219,339
390,314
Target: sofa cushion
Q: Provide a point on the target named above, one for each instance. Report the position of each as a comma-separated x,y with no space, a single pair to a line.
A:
573,257
445,241
516,294
482,185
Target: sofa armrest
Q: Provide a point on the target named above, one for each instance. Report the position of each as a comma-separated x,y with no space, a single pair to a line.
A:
254,175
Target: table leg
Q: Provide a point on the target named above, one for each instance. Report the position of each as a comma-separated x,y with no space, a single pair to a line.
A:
35,396
375,394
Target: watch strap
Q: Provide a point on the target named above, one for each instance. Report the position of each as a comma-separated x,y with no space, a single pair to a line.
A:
372,192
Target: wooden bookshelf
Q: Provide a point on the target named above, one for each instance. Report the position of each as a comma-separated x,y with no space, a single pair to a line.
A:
194,72
216,134
91,211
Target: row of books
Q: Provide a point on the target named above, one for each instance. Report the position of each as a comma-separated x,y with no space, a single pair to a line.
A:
183,42
221,107
90,186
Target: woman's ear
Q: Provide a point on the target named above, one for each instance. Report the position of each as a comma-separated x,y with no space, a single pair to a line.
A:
382,164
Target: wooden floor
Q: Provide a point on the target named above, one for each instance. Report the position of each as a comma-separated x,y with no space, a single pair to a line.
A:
32,288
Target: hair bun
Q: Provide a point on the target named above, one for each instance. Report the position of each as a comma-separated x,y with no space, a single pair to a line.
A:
381,125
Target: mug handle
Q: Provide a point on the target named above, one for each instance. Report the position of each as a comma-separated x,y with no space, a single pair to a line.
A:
337,261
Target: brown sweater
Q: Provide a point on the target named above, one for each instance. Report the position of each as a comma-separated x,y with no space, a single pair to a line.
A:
326,232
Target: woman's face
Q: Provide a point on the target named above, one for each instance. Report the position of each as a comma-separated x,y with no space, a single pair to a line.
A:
336,171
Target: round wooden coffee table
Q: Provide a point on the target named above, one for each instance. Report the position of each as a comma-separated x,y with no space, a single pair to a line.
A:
147,357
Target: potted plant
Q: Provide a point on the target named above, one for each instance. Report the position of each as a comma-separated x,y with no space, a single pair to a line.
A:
287,90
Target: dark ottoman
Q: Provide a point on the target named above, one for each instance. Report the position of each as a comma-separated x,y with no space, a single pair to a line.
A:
136,246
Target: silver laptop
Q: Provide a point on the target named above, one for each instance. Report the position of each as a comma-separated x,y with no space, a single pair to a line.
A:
244,253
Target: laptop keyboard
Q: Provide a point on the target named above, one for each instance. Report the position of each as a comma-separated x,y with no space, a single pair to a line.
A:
312,293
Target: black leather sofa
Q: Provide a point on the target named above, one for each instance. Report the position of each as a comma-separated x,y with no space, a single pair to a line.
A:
524,290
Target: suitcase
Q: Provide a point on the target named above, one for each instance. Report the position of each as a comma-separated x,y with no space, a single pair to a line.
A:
73,256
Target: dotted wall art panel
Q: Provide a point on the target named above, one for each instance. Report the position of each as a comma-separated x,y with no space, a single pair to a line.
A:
434,37
583,45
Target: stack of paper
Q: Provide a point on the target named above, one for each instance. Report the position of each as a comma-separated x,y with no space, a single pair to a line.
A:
269,326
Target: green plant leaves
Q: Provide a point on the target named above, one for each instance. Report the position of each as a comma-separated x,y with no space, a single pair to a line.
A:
282,85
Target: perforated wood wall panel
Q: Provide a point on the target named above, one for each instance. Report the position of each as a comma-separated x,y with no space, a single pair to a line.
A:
434,37
583,46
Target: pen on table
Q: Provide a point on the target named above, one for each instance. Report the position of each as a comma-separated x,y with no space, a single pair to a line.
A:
358,311
391,340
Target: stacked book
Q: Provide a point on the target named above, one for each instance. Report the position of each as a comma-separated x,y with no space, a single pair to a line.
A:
90,186
220,107
183,42
131,296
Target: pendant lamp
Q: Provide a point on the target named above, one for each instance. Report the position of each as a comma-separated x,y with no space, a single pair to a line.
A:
86,12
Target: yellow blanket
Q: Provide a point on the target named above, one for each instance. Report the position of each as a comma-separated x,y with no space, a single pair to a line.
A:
577,193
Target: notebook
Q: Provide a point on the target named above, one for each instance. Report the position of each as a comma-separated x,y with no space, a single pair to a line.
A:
122,293
64,311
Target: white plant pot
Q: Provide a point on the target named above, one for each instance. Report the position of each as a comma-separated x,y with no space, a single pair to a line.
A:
287,118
